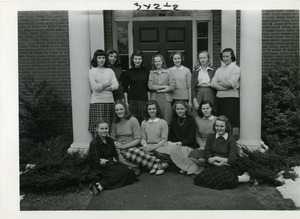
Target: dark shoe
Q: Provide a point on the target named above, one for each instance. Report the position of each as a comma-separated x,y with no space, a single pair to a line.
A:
94,189
136,171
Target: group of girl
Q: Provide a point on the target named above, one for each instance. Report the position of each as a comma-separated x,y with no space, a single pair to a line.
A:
154,137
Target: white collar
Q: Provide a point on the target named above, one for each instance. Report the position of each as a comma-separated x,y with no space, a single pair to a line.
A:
175,68
208,68
153,120
225,136
232,64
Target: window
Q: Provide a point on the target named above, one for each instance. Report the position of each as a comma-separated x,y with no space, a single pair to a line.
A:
202,36
122,43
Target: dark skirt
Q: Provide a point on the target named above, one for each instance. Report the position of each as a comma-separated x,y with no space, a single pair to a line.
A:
100,110
137,108
230,107
206,93
215,177
115,176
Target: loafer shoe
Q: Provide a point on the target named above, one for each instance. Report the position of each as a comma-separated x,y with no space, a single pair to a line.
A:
159,172
152,171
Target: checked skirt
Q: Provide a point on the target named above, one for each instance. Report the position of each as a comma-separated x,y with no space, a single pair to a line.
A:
147,160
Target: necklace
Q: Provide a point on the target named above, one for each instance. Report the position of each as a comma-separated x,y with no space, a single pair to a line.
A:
181,124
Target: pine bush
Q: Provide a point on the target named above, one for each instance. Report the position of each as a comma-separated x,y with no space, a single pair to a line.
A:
280,110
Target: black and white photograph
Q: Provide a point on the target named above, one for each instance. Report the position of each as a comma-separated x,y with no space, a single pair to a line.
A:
160,109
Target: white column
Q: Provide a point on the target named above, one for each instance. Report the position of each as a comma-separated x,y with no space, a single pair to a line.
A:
96,31
228,29
80,57
251,78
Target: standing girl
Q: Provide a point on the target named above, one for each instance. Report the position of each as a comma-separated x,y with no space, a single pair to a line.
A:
103,158
135,85
154,136
114,63
103,81
201,81
161,83
182,77
227,82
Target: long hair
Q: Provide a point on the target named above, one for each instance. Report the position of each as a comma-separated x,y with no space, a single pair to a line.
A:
203,102
184,103
97,53
138,53
176,53
164,65
231,53
158,110
118,61
127,114
227,122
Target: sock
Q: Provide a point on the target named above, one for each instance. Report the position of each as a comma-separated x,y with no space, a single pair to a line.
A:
244,178
99,186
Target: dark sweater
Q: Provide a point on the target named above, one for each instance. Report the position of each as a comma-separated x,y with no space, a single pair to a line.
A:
221,147
135,84
186,133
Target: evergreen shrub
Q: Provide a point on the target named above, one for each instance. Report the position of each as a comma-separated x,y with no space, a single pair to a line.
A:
45,164
280,110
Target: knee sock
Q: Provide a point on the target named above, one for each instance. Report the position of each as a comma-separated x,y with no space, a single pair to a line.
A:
244,178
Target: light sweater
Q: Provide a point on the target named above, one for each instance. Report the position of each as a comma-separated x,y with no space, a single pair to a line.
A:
97,78
229,74
126,131
182,77
154,131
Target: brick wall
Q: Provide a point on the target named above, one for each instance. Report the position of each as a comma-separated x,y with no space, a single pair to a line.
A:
216,37
280,38
108,32
43,40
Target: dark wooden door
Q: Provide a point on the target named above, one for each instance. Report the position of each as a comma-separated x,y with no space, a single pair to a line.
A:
164,37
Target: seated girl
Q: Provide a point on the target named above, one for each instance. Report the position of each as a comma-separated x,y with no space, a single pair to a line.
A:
205,121
154,136
221,154
181,139
126,132
107,172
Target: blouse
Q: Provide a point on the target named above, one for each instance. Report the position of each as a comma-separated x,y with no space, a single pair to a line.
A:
197,82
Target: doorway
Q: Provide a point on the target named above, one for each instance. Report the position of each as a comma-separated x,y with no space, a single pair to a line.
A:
163,37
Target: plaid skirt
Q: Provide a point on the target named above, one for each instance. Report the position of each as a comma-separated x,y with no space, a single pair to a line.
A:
147,160
100,110
137,108
215,177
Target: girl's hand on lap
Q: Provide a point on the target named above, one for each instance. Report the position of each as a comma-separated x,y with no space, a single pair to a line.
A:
103,161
